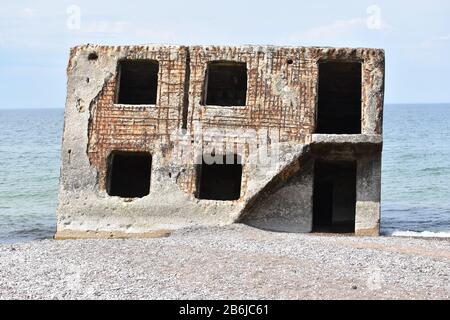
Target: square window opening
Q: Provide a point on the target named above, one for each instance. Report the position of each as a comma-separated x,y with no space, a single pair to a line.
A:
220,181
138,82
339,98
226,83
129,174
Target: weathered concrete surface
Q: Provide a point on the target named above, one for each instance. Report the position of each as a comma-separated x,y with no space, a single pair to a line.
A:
279,116
286,207
73,235
368,196
375,139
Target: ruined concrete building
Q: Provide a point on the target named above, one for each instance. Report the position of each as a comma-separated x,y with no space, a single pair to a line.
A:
163,137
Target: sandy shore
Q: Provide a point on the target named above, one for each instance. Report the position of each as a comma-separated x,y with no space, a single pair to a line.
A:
234,262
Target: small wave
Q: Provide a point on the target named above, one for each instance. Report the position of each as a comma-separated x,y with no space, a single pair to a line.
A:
423,234
434,169
39,232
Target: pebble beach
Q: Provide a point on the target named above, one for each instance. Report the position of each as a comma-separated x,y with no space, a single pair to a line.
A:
231,262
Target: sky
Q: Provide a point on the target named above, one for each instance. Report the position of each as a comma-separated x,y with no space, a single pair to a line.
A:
35,37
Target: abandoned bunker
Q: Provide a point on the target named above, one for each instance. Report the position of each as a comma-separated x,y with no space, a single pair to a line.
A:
160,137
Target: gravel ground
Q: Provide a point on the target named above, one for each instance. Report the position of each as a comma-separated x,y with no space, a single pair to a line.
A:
233,262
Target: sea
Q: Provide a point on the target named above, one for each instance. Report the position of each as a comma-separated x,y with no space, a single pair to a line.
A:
415,171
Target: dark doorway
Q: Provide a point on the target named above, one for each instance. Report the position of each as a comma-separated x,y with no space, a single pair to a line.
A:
138,83
339,101
334,200
226,83
220,181
129,174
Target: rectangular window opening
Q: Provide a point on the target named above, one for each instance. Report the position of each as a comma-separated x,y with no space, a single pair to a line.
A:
220,181
138,82
129,174
339,98
334,197
226,83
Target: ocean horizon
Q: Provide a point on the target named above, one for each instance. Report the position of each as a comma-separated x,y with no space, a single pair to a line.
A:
415,171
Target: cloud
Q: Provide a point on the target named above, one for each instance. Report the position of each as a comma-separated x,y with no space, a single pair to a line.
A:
326,32
27,13
105,27
119,31
345,30
444,38
435,41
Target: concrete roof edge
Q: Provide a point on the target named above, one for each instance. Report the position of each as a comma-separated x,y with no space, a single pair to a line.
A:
160,45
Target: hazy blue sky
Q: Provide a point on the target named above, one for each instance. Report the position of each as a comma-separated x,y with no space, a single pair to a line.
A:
35,37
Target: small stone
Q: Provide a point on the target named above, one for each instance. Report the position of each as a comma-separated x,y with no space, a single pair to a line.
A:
354,287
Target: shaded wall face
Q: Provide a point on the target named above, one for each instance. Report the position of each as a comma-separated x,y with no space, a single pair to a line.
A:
368,195
288,206
352,175
345,197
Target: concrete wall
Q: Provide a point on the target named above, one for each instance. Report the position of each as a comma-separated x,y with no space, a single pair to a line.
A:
288,206
368,195
279,117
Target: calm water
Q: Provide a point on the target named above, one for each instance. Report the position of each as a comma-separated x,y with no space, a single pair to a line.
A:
416,171
30,141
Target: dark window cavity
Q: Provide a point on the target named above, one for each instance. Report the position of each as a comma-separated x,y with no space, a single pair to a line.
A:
339,101
138,82
220,181
226,83
334,200
129,174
